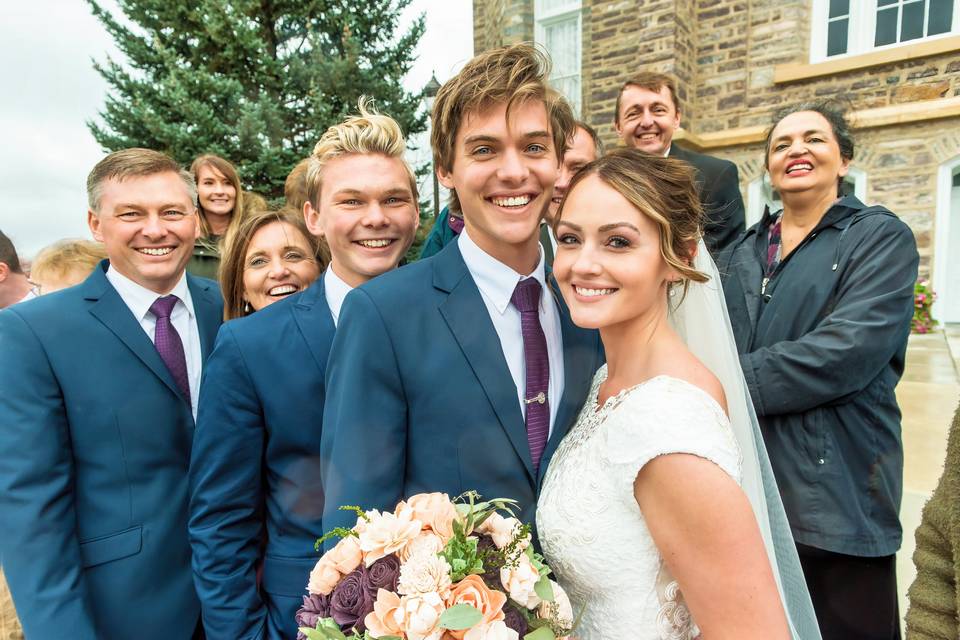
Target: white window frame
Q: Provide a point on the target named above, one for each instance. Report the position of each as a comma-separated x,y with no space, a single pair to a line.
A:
544,18
861,30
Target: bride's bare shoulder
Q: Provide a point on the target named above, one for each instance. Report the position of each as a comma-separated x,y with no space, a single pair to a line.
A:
689,369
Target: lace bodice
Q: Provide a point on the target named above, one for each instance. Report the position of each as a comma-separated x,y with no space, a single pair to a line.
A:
590,526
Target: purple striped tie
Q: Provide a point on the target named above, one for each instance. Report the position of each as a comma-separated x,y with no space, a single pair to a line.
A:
526,298
168,343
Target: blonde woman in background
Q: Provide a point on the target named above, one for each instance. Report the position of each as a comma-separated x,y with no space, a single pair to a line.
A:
64,264
220,200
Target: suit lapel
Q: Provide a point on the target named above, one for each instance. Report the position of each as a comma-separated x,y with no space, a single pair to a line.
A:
312,315
110,309
209,313
468,319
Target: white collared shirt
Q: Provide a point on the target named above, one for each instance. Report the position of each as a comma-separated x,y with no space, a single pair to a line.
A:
30,296
139,299
496,282
666,153
336,290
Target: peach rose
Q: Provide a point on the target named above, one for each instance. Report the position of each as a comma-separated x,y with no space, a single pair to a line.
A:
435,511
382,621
471,590
419,615
502,530
496,630
346,556
427,543
323,578
519,581
388,533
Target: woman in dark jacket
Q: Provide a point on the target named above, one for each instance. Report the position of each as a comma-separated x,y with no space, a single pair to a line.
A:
820,297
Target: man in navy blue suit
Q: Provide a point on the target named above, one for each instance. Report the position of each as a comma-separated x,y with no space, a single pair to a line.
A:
100,386
256,499
463,371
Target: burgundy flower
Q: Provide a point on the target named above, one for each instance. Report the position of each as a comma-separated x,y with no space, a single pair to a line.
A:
514,619
314,608
350,602
382,574
487,550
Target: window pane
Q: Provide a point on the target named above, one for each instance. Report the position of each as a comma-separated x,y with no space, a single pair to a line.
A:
883,3
886,27
941,16
912,21
562,41
839,8
837,37
551,6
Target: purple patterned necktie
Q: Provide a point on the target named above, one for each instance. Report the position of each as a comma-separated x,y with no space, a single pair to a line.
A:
526,298
168,343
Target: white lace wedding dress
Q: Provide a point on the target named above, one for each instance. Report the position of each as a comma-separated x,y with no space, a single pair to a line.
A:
590,526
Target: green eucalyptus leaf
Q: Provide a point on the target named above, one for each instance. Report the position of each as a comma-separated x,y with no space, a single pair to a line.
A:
542,633
459,617
544,589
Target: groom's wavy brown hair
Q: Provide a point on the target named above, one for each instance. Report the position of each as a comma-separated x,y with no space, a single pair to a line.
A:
663,189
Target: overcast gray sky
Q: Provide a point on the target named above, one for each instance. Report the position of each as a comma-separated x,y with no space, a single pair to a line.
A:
50,90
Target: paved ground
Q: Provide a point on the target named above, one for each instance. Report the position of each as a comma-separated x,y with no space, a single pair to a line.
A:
928,395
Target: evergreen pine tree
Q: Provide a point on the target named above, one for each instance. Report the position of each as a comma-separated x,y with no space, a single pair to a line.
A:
254,81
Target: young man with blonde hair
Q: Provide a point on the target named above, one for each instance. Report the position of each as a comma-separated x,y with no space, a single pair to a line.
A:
98,415
256,499
64,264
483,403
647,116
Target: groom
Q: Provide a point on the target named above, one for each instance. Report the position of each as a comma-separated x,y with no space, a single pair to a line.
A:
464,371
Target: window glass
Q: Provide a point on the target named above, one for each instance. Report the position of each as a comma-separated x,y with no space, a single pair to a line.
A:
940,18
839,8
911,26
561,39
837,32
886,26
883,3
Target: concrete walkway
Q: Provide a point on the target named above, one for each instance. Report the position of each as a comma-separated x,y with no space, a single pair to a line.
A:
928,395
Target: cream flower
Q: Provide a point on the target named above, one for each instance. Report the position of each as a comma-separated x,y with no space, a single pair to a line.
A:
387,533
502,530
419,615
323,578
346,556
559,609
496,630
520,580
424,573
435,511
382,621
427,543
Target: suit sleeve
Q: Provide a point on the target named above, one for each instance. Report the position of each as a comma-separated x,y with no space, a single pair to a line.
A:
226,499
39,547
724,210
867,326
363,446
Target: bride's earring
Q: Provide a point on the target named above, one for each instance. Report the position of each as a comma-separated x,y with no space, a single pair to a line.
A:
246,307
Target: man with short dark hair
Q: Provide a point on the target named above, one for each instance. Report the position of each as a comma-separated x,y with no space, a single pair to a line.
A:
647,115
98,419
14,285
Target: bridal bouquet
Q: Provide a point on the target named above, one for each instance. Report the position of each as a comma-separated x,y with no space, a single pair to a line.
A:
434,569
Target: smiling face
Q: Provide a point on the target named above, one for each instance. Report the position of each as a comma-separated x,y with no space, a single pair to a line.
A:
148,225
608,261
278,263
503,171
647,119
581,152
368,214
217,194
804,155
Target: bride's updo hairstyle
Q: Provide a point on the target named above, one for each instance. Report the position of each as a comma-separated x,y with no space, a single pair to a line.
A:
663,189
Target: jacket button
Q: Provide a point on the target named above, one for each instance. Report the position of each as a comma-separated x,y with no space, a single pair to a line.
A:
821,460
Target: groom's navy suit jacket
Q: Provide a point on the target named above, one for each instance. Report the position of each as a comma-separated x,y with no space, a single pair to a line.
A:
96,437
420,399
255,485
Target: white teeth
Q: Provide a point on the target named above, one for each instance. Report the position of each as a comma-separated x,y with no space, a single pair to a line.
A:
282,290
512,201
155,252
590,293
374,244
800,167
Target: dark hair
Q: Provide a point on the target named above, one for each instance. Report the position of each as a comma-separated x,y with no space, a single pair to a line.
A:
833,111
664,190
597,142
651,81
8,254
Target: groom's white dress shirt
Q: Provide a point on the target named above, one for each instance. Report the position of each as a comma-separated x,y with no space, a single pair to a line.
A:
496,282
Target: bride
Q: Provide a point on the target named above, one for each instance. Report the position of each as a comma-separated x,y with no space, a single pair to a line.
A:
659,513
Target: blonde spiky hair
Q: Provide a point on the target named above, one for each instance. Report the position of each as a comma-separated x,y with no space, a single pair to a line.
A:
369,132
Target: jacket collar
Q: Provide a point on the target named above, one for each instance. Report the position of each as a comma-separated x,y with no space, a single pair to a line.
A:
312,315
